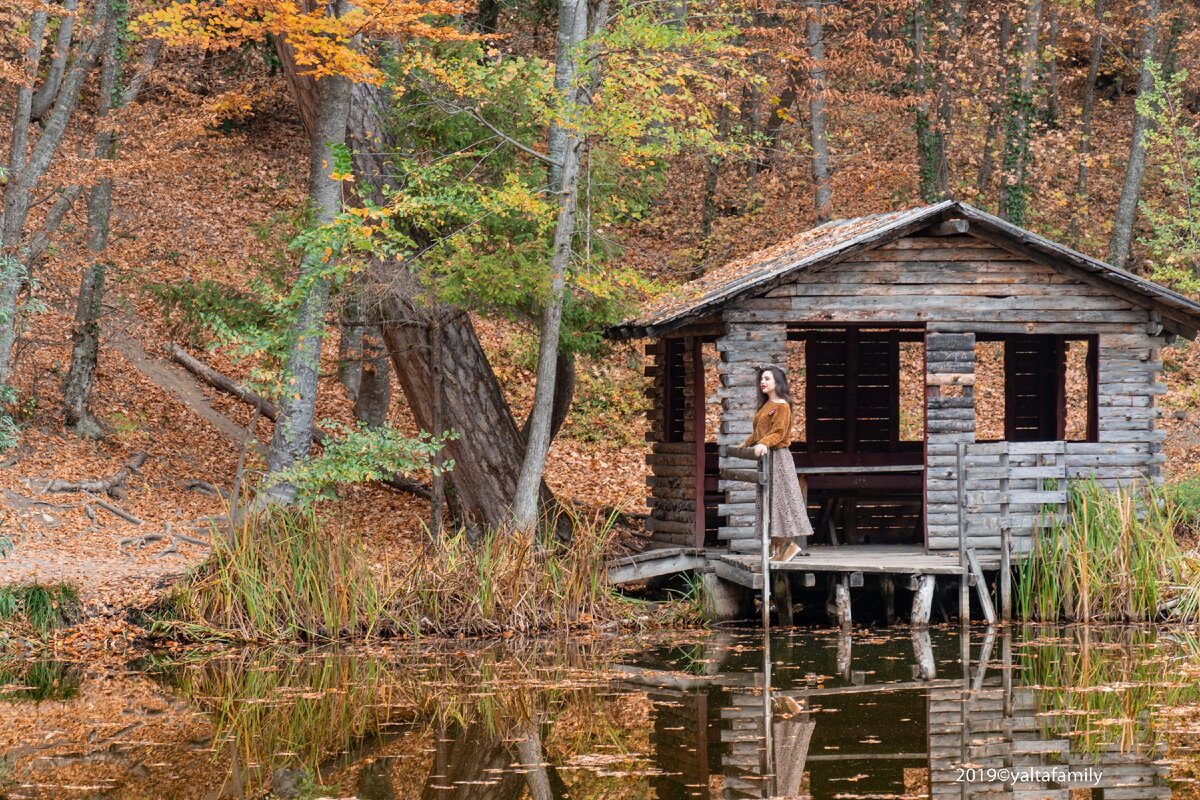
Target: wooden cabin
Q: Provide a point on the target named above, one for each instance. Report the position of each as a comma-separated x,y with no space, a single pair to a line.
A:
949,372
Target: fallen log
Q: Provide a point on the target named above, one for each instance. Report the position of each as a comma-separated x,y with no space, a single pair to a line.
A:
113,486
268,409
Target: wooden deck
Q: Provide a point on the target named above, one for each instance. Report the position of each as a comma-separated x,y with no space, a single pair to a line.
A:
877,559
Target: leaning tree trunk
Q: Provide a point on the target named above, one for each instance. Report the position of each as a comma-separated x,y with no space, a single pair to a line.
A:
564,150
489,447
1135,171
822,189
296,423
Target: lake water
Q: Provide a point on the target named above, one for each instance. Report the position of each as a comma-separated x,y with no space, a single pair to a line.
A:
1047,713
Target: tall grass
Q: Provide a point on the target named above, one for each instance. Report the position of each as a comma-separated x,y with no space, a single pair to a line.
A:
280,575
513,582
41,608
1114,557
284,576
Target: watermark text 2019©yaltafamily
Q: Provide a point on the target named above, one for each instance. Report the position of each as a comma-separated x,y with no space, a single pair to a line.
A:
1064,776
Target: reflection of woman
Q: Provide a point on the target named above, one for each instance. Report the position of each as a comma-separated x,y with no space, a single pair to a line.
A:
773,433
791,731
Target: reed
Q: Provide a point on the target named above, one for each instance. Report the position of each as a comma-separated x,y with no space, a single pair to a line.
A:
514,582
1114,557
279,575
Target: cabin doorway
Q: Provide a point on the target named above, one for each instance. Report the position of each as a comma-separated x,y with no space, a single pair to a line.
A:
859,393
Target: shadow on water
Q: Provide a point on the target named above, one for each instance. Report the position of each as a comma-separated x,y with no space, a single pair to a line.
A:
1068,713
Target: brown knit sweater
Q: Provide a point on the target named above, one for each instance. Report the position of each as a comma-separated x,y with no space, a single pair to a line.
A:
772,426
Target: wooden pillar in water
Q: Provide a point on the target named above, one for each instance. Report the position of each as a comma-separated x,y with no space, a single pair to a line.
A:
782,589
887,587
841,591
923,601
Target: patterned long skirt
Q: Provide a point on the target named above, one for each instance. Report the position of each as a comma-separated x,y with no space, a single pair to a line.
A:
789,506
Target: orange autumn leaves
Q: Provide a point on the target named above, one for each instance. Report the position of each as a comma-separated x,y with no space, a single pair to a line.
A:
324,44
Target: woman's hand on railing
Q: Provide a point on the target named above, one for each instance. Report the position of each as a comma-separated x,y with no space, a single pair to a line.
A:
761,450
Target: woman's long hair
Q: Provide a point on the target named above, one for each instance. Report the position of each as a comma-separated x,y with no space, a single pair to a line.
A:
781,386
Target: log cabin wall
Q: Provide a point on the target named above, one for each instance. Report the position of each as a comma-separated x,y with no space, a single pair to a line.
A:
957,286
745,346
671,434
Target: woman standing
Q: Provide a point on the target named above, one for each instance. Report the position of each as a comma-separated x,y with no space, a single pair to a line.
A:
773,433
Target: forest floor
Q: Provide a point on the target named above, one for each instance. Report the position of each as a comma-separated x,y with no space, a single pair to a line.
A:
179,225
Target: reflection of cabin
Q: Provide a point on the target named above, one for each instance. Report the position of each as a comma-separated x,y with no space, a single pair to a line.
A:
906,335
875,732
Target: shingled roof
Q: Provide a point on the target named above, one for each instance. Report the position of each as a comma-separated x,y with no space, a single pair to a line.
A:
834,241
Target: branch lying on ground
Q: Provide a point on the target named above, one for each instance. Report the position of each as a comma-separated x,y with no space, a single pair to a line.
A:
168,533
120,512
232,387
113,486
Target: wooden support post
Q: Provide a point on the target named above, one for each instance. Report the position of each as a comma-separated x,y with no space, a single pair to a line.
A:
923,601
764,527
782,590
841,591
1005,543
887,588
981,588
768,727
964,596
1005,574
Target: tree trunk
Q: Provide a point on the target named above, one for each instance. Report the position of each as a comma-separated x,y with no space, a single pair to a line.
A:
85,344
26,169
928,143
1084,147
712,175
374,397
564,149
1051,113
58,64
822,190
952,12
987,156
773,130
1014,189
489,445
1122,233
350,348
296,423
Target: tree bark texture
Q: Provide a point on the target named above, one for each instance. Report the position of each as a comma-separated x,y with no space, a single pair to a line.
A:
987,161
350,347
1084,148
822,188
1135,170
1014,190
564,149
58,65
490,445
85,337
26,166
294,427
373,397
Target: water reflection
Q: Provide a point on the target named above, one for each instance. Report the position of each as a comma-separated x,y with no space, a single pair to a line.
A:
722,715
